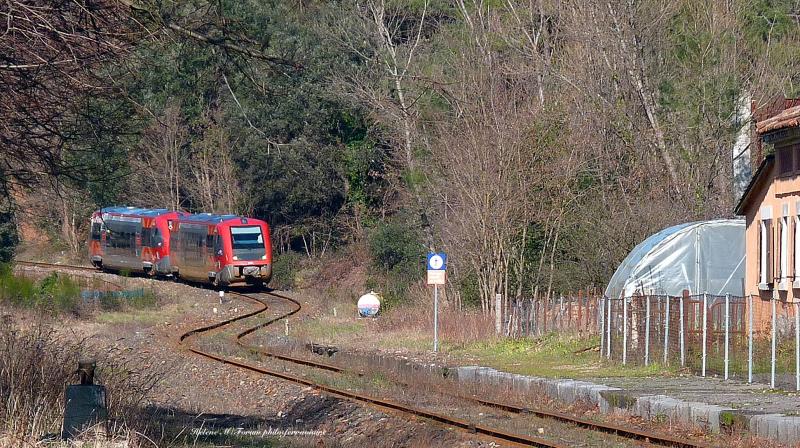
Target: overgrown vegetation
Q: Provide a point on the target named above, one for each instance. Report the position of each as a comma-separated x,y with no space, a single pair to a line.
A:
35,364
398,259
535,142
59,293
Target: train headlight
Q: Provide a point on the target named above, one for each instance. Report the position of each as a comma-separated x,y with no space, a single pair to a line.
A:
263,257
235,258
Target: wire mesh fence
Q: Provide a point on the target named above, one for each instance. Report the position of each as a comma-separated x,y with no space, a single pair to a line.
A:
744,338
576,314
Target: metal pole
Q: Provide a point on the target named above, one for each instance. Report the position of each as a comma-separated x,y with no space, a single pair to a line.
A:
727,331
624,330
774,336
682,335
750,338
705,330
796,347
602,324
436,318
666,331
608,336
647,332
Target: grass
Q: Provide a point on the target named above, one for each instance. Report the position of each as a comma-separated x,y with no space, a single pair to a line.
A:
59,293
553,355
136,316
35,363
327,331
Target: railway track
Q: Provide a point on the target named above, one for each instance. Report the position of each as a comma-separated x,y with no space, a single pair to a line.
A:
385,404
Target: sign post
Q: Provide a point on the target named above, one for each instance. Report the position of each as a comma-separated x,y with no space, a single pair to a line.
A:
436,276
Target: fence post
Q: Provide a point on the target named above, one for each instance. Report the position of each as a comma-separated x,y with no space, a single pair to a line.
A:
608,328
647,331
682,330
796,346
666,331
750,338
705,330
727,331
624,330
774,337
602,309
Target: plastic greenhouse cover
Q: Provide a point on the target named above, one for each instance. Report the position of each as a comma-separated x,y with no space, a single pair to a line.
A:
704,256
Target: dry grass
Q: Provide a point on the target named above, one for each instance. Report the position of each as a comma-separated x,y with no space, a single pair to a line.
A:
456,327
36,363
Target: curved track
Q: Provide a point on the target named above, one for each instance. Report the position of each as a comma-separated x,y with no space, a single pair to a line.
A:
500,435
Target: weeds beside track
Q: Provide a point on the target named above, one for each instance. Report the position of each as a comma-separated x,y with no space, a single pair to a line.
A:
384,404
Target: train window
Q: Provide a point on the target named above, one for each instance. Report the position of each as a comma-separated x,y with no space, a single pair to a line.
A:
96,232
248,243
147,237
217,245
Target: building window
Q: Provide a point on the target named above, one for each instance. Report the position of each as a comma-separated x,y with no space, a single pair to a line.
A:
784,249
788,160
796,246
765,252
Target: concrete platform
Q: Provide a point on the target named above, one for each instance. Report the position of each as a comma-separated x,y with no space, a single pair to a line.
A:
712,403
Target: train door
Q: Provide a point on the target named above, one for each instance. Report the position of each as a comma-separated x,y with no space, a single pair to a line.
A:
123,245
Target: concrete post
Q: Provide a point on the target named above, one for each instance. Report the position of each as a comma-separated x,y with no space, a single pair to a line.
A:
666,331
624,331
774,346
750,338
608,327
727,331
796,347
647,331
682,332
705,331
602,325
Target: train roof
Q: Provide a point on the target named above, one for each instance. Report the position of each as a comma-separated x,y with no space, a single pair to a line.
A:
136,211
211,218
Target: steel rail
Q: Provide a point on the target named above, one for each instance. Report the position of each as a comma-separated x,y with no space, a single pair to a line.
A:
497,434
54,265
523,440
629,433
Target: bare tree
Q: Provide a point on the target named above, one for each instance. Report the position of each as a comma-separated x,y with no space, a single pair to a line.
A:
49,53
214,186
160,163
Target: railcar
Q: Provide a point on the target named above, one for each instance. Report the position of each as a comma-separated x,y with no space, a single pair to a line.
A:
132,239
221,249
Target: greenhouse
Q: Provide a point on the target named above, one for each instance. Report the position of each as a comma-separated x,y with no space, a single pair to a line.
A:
704,256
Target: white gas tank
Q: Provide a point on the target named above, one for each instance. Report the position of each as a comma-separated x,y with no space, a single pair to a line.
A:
369,304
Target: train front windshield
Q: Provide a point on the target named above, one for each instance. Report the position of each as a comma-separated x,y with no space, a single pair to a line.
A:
248,243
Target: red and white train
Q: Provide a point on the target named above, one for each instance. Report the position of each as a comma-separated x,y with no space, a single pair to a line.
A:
208,248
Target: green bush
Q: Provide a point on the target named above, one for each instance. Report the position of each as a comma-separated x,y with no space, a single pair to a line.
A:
284,268
58,293
14,289
398,257
8,236
396,248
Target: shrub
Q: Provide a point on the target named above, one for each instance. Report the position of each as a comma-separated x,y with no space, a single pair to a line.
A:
284,268
399,256
58,293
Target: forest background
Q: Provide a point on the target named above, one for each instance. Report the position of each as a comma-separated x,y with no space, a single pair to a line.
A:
536,142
